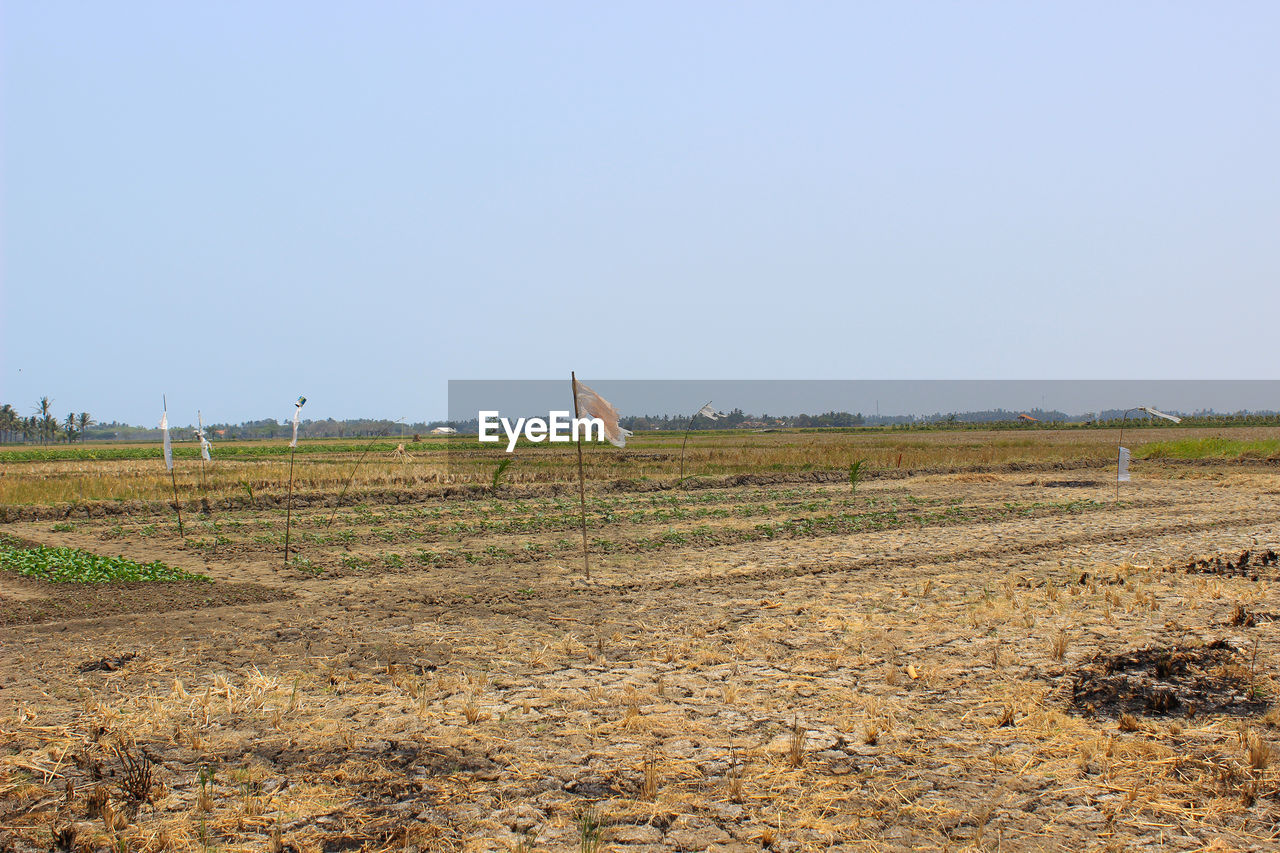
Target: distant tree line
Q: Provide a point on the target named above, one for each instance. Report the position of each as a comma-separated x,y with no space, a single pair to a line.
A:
738,419
42,424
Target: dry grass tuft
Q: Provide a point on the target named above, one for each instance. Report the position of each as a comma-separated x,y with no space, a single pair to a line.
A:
64,838
97,802
649,784
735,775
1259,752
795,751
136,777
1058,645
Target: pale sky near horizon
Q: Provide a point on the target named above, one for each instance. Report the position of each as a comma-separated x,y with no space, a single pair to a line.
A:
237,203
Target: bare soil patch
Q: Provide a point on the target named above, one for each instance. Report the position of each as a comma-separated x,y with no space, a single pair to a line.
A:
24,601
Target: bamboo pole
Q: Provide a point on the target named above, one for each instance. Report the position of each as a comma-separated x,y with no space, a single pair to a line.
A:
293,449
582,480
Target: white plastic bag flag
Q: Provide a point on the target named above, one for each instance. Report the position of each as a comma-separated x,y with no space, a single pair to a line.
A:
1156,413
297,414
708,412
205,446
168,448
592,405
1122,468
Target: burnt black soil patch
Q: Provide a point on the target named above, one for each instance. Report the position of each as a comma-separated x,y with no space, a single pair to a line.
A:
1162,681
107,664
1246,565
1071,484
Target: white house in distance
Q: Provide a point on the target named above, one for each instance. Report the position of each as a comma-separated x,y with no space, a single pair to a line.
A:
444,431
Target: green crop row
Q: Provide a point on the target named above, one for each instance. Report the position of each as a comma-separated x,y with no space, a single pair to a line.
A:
71,565
1210,448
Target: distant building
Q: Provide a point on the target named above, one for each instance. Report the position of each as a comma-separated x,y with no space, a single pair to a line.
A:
444,431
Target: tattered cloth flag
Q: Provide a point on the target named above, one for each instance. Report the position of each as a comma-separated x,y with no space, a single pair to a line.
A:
592,405
708,412
1122,469
204,442
297,413
168,448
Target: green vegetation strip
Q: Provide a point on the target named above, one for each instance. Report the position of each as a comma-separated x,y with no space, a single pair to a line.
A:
1210,448
71,565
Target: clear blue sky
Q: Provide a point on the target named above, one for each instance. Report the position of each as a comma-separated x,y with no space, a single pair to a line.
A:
237,203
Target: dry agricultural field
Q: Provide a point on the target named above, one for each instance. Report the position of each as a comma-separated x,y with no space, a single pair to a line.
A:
979,647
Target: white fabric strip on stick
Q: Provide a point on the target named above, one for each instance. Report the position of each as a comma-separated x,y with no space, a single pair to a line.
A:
1159,414
1123,468
168,448
297,414
205,446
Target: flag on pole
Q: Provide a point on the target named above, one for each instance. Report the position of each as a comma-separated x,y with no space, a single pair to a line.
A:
708,412
204,441
297,413
168,448
592,405
1122,468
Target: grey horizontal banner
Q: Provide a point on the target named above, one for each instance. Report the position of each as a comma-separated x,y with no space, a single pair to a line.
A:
878,401
500,423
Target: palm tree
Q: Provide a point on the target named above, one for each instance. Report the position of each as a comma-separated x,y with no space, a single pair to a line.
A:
8,421
85,423
48,423
69,426
29,428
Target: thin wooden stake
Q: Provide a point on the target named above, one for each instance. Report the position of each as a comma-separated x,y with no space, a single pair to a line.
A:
176,506
688,427
582,479
1119,446
352,478
288,512
173,477
204,486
